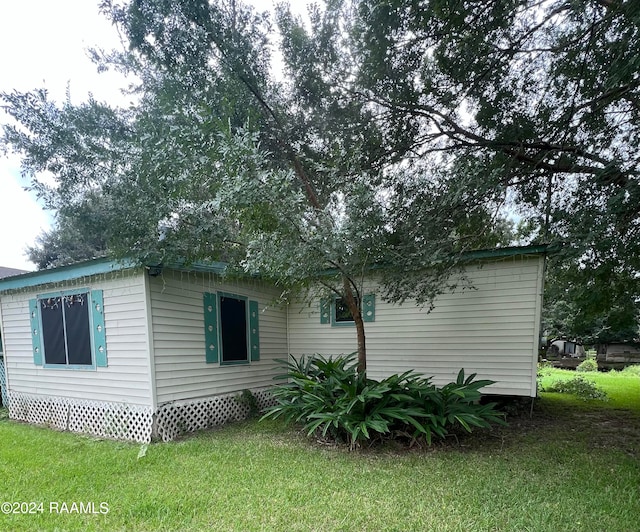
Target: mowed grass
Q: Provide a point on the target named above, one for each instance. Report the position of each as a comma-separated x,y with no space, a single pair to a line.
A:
570,467
622,387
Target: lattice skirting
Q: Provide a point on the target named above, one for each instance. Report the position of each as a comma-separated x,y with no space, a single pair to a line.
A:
106,420
3,383
174,419
132,422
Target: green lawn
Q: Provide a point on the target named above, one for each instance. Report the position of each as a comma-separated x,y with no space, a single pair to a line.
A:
573,466
623,387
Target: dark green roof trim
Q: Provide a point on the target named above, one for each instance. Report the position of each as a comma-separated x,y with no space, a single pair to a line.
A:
470,256
99,267
105,265
219,268
65,273
498,253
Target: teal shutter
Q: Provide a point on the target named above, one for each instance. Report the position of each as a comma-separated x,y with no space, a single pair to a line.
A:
99,332
325,311
35,332
369,307
211,327
254,330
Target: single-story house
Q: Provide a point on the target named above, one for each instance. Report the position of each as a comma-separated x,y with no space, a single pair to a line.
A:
119,350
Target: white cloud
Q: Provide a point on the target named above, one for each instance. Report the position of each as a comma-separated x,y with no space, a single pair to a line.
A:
44,44
21,219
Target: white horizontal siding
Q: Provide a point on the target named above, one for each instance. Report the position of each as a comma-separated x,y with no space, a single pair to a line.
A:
490,330
126,378
181,371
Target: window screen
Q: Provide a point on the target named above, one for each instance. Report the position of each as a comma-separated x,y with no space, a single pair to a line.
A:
233,329
76,312
66,332
53,330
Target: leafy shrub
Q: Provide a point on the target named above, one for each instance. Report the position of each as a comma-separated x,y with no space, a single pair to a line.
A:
632,370
246,398
544,368
588,364
578,386
328,395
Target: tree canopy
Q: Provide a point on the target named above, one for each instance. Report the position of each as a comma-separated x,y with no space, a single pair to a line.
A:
392,132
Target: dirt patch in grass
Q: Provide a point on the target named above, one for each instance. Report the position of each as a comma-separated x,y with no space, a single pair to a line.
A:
610,430
551,422
555,421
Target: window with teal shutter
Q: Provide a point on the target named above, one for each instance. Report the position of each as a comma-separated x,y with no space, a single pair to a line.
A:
232,331
211,327
99,332
325,311
68,330
337,313
254,331
35,332
369,308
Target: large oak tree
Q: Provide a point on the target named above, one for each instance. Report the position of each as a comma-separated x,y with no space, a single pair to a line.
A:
395,133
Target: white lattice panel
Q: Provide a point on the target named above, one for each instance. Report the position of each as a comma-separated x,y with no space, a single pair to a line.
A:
131,422
111,420
107,420
39,410
264,398
3,382
174,419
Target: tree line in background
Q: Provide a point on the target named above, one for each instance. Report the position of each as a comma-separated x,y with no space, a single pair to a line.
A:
388,132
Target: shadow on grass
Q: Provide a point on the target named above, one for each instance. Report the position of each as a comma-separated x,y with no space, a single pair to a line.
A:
556,420
559,419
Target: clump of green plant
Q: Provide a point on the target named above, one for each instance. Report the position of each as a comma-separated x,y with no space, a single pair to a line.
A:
578,386
329,396
246,398
588,364
633,370
544,368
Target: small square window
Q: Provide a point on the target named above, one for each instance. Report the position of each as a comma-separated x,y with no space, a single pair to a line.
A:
336,311
342,312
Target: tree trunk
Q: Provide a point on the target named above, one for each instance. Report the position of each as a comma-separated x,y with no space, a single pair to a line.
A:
354,307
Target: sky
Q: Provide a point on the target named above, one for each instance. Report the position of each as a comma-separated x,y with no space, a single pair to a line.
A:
43,43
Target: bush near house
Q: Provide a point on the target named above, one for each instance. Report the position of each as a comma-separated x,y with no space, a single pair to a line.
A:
329,396
632,370
578,386
622,388
588,364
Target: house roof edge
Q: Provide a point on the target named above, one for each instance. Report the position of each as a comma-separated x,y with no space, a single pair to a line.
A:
510,251
104,265
65,273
